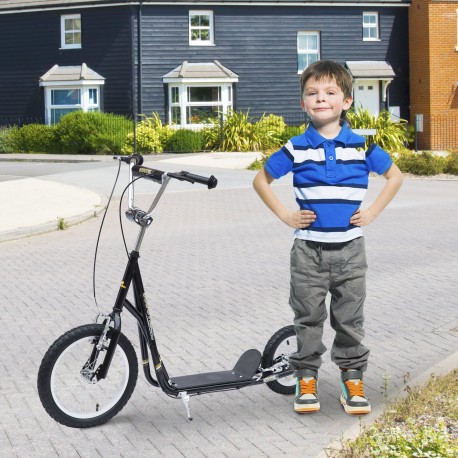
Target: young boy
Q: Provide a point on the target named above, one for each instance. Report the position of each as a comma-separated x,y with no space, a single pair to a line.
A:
330,168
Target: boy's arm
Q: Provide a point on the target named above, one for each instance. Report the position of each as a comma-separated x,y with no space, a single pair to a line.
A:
296,219
394,181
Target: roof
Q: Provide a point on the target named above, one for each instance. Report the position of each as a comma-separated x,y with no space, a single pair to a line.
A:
367,69
70,73
202,70
27,5
34,4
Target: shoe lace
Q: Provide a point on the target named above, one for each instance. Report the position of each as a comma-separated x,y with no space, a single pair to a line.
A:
307,387
355,388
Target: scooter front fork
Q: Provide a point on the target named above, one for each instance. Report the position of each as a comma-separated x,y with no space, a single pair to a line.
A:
114,331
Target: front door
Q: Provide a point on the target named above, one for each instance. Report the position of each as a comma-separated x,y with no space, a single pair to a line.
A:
367,95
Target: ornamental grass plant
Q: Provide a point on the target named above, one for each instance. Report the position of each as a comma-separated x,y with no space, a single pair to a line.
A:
391,136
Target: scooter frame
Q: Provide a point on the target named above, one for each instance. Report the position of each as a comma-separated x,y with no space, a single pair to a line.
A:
247,371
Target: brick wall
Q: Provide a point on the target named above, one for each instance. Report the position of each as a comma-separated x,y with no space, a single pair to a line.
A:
434,71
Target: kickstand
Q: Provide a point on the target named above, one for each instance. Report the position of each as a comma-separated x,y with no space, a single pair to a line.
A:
185,398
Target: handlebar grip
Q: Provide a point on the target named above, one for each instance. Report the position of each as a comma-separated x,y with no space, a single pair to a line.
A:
210,182
135,158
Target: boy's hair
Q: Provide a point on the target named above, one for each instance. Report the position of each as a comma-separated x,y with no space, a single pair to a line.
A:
327,69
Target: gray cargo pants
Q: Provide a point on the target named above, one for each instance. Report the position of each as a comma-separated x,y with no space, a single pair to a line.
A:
317,269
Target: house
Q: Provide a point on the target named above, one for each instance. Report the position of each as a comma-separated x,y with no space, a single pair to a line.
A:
187,59
434,72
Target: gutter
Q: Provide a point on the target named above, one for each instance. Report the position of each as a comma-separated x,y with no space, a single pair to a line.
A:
79,6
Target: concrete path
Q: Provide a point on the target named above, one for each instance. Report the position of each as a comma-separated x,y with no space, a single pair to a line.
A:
215,267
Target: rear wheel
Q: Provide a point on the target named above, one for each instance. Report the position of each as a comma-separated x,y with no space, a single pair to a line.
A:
278,349
67,381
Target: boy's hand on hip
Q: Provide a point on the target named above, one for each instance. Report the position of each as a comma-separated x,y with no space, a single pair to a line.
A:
300,219
362,217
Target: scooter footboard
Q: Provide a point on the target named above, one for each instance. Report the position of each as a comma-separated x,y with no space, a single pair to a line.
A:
242,373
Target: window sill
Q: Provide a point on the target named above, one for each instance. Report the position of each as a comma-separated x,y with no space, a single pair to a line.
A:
73,47
204,45
371,39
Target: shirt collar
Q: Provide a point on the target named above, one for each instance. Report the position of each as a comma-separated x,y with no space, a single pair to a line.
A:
345,136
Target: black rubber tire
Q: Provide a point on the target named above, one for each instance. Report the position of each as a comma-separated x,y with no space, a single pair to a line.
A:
53,354
269,354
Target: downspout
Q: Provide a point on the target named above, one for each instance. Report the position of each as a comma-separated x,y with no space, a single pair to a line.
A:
137,96
132,63
140,59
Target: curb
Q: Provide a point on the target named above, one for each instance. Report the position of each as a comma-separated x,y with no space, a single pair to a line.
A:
15,234
441,368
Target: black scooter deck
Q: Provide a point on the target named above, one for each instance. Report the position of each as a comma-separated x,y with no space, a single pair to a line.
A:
243,372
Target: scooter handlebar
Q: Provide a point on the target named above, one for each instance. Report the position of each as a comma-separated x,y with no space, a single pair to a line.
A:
159,175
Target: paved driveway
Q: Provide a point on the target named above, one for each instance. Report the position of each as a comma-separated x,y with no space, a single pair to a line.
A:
215,266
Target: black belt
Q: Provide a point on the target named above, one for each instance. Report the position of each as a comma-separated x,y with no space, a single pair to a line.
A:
328,245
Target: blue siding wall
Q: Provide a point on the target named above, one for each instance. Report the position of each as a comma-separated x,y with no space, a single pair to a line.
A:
29,47
259,44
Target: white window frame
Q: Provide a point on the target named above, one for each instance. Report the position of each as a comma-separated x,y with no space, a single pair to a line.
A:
225,102
210,28
85,99
64,32
371,26
312,52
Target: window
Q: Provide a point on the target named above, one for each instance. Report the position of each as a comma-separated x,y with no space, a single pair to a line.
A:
93,99
308,49
61,101
70,30
370,27
201,28
195,104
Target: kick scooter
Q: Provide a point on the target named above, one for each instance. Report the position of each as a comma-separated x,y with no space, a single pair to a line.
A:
89,373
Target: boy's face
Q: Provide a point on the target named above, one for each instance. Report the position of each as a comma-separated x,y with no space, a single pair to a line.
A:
324,101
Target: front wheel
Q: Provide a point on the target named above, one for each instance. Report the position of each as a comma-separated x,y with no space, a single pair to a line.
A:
277,350
67,382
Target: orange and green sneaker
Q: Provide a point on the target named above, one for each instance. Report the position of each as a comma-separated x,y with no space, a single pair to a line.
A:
306,400
352,397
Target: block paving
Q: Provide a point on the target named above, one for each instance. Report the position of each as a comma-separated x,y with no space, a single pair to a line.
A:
216,269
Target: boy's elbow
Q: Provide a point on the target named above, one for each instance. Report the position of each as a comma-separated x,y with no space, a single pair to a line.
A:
261,179
395,175
399,175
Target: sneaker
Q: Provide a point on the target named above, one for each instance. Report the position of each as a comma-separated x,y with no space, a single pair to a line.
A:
352,398
306,400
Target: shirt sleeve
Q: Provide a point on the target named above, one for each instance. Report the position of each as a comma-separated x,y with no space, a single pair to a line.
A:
377,159
281,162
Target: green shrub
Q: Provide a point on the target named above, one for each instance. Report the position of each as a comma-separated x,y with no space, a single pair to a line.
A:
151,136
451,164
33,138
185,140
258,164
389,136
92,133
292,131
424,163
271,128
6,144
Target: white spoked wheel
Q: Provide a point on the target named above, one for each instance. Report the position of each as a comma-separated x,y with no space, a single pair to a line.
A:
277,350
67,380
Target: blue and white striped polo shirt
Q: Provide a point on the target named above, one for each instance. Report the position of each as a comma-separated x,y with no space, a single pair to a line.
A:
330,178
